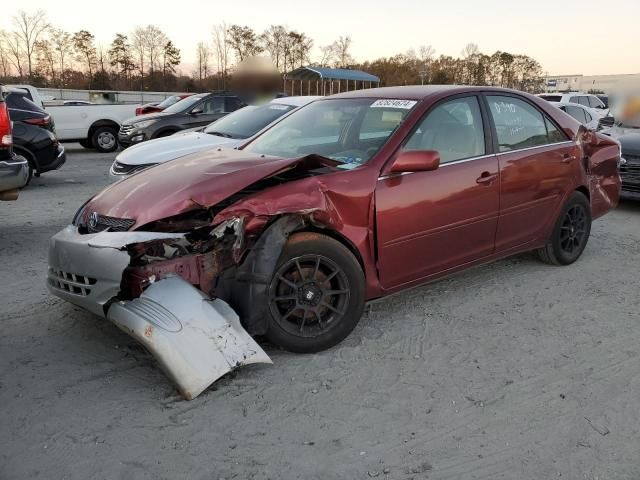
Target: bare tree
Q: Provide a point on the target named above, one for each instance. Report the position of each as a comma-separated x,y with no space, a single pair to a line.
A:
139,45
342,52
156,40
426,53
327,55
46,60
29,28
222,49
202,57
16,55
470,50
5,63
62,43
274,39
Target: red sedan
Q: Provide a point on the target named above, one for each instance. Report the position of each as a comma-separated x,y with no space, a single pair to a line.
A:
350,198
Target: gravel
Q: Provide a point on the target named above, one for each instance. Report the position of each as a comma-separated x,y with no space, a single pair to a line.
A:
512,370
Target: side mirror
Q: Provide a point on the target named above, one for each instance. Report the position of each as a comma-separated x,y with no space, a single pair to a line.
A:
196,111
416,161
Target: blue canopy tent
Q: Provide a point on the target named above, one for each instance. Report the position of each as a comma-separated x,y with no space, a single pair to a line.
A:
326,78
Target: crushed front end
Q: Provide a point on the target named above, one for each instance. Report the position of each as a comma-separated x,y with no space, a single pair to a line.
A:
160,289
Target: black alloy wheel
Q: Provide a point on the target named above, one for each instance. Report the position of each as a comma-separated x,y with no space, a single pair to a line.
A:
308,295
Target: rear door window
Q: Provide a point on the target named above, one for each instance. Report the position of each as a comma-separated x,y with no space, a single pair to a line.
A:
594,102
583,101
519,124
577,113
454,129
213,105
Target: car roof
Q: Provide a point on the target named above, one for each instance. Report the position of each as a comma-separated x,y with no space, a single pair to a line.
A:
419,92
298,101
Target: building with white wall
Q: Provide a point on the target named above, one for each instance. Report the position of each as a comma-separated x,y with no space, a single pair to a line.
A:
600,83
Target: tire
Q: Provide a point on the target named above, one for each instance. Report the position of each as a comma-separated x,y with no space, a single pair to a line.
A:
303,316
570,233
86,143
105,139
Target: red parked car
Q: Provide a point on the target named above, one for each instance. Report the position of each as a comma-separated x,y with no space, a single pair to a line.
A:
160,106
350,198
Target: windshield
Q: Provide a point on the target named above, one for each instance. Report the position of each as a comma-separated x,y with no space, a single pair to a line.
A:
248,121
167,102
350,131
184,104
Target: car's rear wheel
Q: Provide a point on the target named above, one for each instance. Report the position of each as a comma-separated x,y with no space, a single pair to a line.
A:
316,294
105,139
570,233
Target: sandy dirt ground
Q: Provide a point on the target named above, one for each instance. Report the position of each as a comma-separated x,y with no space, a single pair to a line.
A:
516,370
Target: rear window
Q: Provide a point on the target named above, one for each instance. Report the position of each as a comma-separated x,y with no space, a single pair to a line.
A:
551,98
185,103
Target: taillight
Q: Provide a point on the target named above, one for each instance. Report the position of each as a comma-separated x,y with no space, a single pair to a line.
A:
43,122
138,111
6,140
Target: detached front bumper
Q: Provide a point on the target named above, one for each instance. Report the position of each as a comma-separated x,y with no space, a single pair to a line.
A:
195,339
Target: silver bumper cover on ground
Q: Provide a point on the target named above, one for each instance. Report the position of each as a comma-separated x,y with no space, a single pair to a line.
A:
196,340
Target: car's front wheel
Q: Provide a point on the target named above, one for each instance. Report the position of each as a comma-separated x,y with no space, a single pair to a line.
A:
570,233
316,294
105,139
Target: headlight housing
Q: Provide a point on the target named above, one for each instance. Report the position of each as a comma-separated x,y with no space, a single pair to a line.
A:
144,124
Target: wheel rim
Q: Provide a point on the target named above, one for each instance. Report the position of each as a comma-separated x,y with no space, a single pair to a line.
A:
106,140
573,230
309,295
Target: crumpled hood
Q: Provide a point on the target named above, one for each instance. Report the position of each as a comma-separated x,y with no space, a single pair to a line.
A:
163,149
199,180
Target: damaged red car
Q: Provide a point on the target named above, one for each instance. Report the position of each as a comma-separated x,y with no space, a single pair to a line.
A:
350,198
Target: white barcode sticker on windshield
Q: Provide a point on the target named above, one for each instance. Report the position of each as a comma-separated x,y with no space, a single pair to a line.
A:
389,103
277,106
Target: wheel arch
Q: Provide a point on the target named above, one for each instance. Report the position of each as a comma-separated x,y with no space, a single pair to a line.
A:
339,237
29,155
584,190
105,122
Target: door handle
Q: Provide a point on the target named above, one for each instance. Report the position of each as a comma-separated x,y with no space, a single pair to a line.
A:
566,158
486,178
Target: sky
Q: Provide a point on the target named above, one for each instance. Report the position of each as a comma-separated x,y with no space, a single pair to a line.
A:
567,37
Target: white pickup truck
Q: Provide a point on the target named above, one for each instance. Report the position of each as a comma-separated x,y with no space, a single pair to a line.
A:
94,126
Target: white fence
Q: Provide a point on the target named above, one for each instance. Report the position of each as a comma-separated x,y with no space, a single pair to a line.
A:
103,96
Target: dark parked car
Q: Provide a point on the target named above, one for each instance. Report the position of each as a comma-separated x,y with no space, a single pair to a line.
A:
14,169
630,165
34,134
193,111
350,198
628,134
160,106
